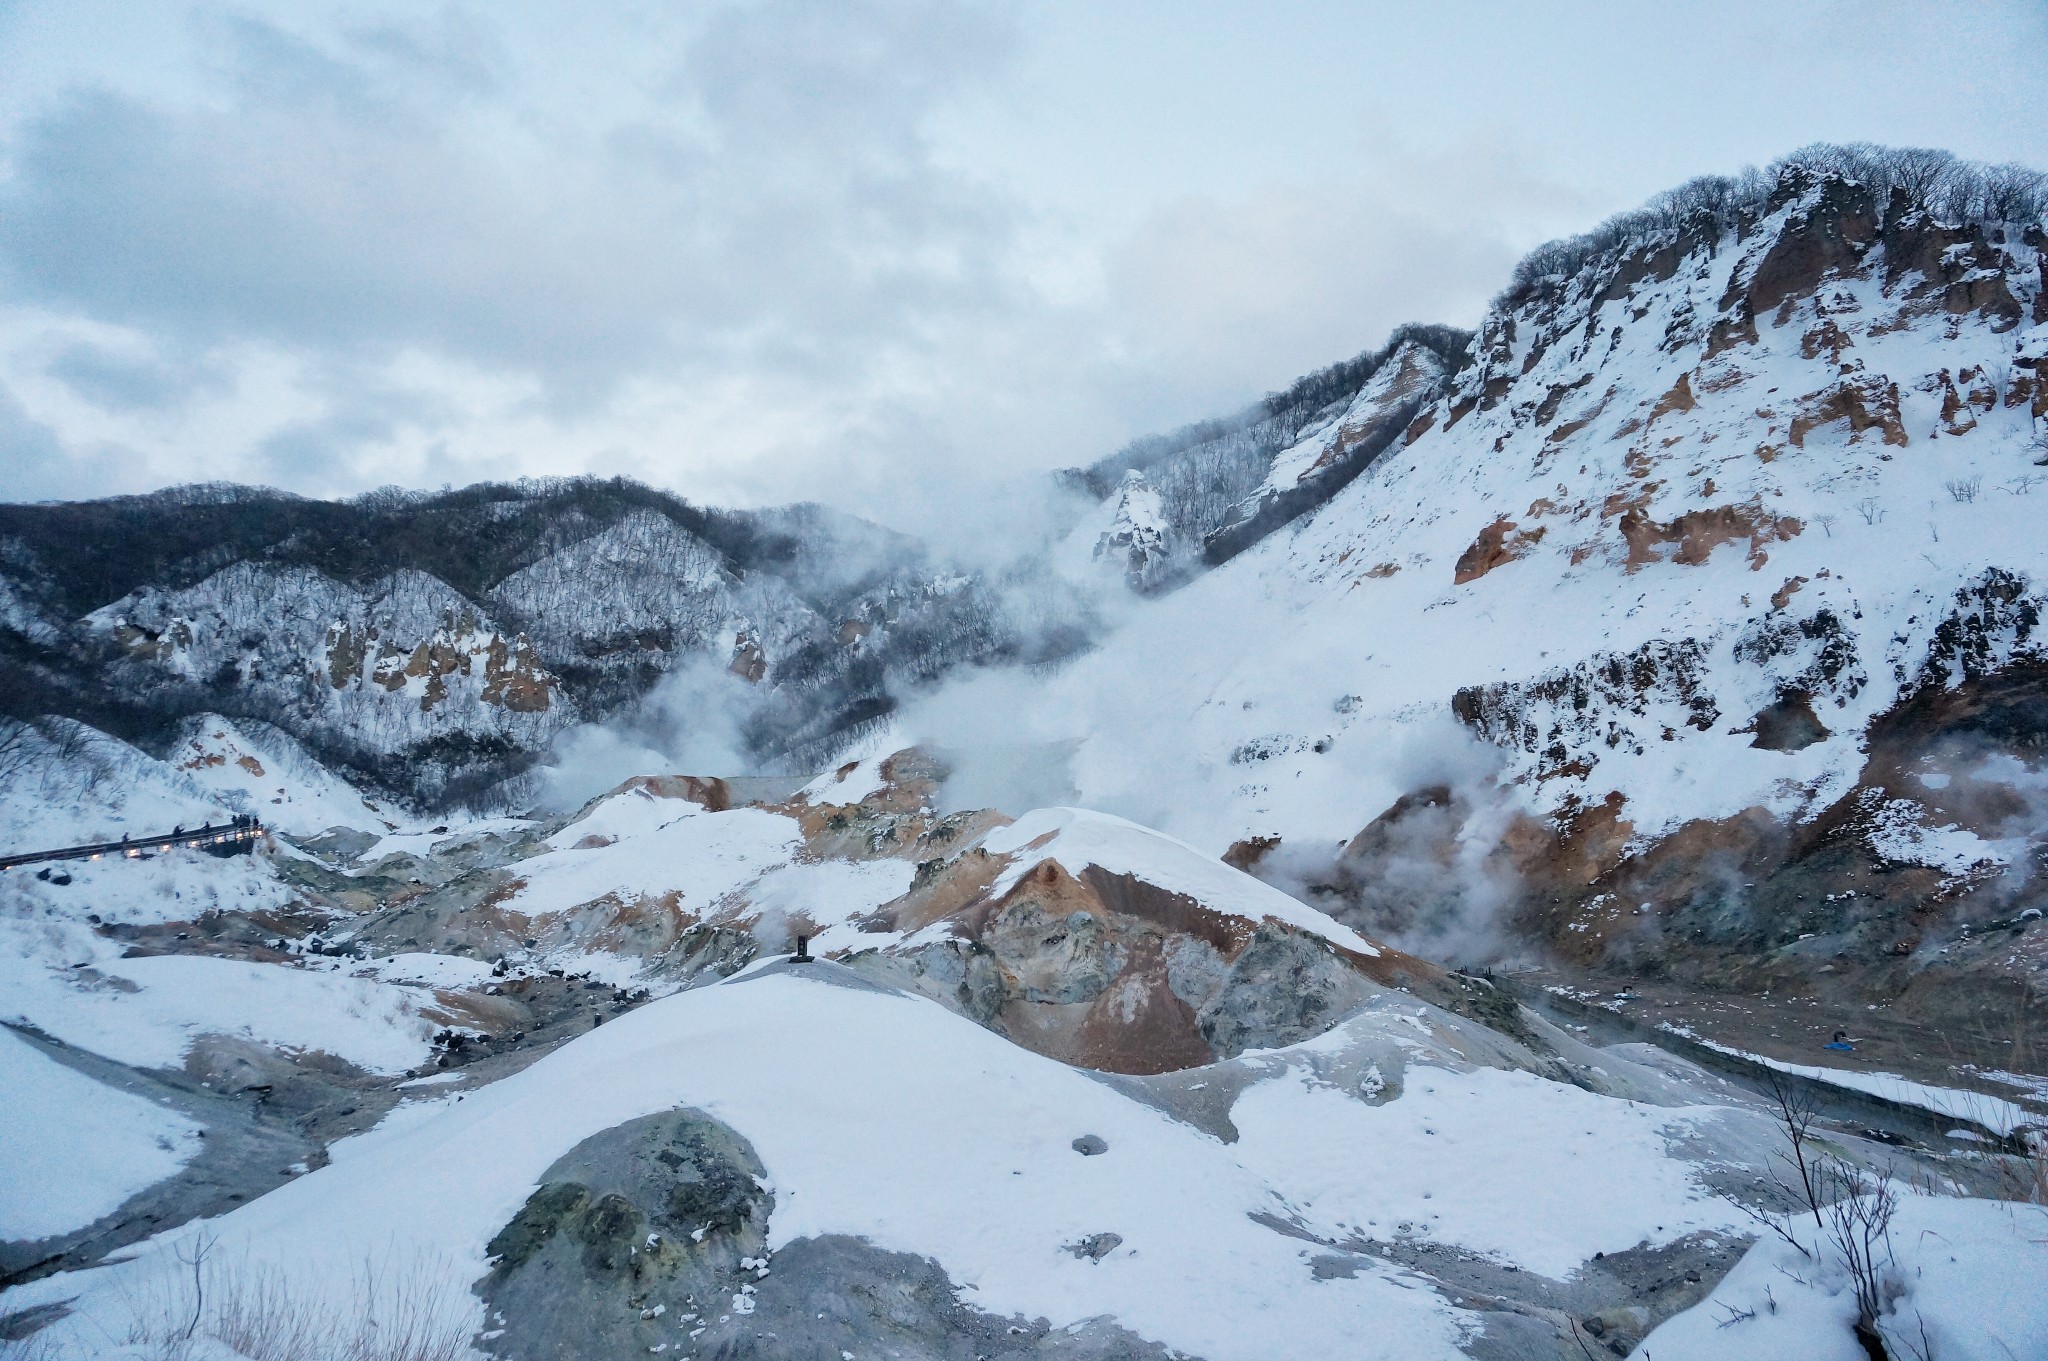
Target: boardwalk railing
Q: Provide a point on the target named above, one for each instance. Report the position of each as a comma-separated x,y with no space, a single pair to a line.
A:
238,837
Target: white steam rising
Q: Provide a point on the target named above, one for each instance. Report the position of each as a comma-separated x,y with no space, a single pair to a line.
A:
690,723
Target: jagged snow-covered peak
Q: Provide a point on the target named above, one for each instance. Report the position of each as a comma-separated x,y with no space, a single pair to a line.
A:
1139,539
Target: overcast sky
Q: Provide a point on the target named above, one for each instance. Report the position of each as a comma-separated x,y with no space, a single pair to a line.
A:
869,253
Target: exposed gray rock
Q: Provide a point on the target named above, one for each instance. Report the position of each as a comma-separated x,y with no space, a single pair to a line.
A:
1096,1246
973,974
1088,1145
1281,989
653,1235
1055,958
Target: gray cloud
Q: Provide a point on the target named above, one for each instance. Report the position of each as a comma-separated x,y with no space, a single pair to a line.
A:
889,252
37,464
117,381
773,204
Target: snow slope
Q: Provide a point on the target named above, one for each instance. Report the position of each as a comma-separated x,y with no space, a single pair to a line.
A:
1970,1272
78,786
891,1119
74,1149
257,769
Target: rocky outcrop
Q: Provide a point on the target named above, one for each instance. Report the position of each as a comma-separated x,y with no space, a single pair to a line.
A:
1139,539
652,1236
1500,542
1604,702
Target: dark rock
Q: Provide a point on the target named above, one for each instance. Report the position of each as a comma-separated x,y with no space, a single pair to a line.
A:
1088,1145
1789,724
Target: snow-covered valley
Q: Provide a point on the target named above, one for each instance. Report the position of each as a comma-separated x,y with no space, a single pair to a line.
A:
1426,867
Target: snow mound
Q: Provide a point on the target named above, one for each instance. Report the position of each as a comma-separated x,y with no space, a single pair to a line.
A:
879,1116
1077,838
1970,1273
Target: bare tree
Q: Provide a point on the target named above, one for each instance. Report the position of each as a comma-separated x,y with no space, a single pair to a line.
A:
1871,511
1922,172
17,749
1964,489
1827,524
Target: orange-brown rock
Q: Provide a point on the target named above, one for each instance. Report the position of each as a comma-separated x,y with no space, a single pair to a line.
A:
1245,854
514,677
1680,398
1498,543
1866,402
1697,533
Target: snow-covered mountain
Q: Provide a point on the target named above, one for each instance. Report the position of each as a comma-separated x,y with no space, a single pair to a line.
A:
435,645
1516,779
1694,626
1203,494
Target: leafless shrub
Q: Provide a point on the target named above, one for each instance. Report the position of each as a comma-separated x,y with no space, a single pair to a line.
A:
1795,1174
1853,1217
1870,510
262,1314
1921,1346
1859,1228
1964,489
2024,484
1734,1316
1798,1176
1826,523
